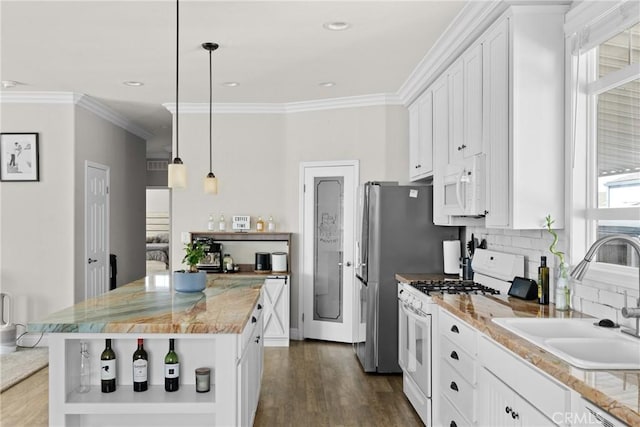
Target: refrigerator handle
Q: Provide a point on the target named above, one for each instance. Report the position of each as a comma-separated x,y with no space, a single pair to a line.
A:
361,279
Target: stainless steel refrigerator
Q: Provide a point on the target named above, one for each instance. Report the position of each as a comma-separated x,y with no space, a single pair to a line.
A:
397,235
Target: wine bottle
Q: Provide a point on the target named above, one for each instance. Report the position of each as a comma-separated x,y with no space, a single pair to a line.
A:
171,369
140,368
108,368
543,282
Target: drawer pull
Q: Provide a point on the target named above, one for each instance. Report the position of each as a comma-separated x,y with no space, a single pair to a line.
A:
514,415
253,319
453,424
258,339
454,329
259,306
507,409
454,355
453,386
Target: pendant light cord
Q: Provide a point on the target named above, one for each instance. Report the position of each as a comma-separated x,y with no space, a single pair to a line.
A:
177,79
210,114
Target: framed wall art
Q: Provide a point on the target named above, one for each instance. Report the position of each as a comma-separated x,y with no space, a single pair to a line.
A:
19,157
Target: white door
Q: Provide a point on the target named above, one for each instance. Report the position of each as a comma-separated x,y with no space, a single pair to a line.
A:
96,225
328,223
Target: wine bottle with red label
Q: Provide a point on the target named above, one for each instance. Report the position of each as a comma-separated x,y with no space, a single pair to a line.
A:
140,368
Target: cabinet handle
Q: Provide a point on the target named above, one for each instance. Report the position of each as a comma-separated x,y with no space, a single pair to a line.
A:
253,319
459,148
258,339
453,386
453,424
259,306
507,409
454,329
486,212
454,355
464,146
514,415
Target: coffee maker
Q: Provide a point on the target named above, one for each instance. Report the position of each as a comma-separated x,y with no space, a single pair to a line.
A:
212,255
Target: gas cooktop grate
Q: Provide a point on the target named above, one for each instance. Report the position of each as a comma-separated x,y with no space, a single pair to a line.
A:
453,287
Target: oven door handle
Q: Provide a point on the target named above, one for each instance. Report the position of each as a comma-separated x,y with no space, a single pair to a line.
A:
411,312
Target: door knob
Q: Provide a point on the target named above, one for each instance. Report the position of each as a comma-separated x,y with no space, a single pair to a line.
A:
91,261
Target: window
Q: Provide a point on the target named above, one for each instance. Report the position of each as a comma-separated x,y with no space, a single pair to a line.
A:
616,147
605,98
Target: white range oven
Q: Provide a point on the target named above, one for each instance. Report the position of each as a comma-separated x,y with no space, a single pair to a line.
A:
418,320
417,315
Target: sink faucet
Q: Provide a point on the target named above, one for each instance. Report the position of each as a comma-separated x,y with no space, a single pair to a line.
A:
579,271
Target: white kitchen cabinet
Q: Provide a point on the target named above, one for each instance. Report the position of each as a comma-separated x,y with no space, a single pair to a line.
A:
440,147
500,406
458,348
421,137
276,311
523,116
250,369
465,106
530,393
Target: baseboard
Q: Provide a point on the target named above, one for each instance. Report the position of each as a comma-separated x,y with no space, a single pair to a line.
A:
276,342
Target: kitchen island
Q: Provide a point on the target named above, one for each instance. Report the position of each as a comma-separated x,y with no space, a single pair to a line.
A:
219,328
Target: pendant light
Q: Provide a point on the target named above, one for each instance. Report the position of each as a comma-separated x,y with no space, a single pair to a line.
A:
177,170
210,181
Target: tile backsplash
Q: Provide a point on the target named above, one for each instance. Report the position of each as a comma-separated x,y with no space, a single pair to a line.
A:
598,299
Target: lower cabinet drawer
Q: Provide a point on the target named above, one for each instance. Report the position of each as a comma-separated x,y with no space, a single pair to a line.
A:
462,362
460,393
449,416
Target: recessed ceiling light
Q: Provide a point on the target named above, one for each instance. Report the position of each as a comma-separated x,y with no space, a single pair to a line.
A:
327,84
231,84
6,84
133,83
336,26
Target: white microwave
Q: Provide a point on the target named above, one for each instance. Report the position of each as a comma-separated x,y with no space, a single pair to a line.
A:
464,188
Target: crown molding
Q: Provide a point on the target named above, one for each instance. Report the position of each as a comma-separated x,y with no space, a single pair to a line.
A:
81,100
472,20
286,107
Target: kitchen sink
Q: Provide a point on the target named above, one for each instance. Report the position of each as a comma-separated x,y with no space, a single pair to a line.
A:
578,341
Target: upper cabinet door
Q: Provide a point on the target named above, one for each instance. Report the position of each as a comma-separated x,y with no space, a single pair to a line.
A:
472,62
496,130
457,120
421,137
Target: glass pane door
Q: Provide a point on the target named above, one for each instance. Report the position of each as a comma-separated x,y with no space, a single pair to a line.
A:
328,229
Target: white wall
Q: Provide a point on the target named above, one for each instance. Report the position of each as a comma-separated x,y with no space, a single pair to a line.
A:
37,218
158,200
99,141
257,159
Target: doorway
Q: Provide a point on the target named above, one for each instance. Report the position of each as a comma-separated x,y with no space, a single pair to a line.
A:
328,242
96,229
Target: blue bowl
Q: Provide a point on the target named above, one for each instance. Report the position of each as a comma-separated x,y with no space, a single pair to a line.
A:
184,281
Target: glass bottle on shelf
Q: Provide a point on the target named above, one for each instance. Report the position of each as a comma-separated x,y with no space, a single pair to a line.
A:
85,368
211,225
222,225
260,224
271,225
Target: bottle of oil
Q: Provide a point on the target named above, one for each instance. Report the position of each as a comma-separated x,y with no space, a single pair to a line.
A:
543,282
260,224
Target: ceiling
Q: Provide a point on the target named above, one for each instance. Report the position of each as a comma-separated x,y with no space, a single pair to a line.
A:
278,51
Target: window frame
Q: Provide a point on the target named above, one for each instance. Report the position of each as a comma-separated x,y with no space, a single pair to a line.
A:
582,89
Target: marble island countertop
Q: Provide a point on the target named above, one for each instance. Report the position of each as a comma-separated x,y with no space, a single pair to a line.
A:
150,305
615,391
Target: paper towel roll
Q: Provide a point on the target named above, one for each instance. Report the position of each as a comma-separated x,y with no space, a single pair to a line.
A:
451,252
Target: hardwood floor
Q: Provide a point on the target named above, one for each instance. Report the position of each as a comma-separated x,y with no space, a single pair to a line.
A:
310,383
317,383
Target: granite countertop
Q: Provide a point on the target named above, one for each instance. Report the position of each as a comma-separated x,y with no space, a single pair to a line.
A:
150,305
615,391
